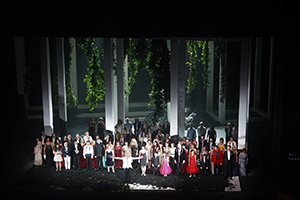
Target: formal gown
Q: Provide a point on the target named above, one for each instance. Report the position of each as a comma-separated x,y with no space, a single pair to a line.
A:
49,155
82,160
109,161
100,130
92,129
192,167
118,153
243,159
165,168
38,156
57,156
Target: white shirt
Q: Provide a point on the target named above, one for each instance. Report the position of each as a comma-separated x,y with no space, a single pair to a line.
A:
88,149
43,139
87,138
228,155
233,143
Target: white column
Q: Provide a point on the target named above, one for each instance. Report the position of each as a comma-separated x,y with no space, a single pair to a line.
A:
181,87
61,81
109,88
210,89
120,78
46,86
257,77
244,94
174,88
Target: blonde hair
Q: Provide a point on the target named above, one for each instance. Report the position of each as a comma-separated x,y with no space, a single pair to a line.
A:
92,142
133,142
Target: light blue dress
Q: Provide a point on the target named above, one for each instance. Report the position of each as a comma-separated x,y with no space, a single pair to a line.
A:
243,159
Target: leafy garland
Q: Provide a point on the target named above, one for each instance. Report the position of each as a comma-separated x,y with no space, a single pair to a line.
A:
220,53
192,80
95,85
193,59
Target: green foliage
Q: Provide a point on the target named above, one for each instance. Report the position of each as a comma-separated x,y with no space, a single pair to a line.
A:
192,80
204,61
193,59
95,85
220,53
71,99
139,56
159,72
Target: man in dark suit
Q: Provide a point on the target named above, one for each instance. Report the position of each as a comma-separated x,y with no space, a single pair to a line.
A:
99,153
137,125
155,163
179,158
227,162
76,150
228,132
166,127
202,143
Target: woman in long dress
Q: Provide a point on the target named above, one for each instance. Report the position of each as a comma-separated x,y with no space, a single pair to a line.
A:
143,161
192,168
92,128
118,153
101,128
48,151
134,151
38,154
243,161
165,168
149,154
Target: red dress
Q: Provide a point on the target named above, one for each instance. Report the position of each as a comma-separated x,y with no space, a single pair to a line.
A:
192,167
82,160
118,153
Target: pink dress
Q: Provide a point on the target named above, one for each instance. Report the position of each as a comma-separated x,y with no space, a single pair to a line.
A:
165,168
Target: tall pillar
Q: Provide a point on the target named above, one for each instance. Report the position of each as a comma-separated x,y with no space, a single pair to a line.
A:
174,88
61,81
210,89
257,77
109,86
46,86
244,93
181,87
120,78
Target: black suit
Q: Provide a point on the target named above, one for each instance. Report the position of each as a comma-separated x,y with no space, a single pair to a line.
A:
179,157
76,156
228,134
137,126
166,128
155,162
200,144
227,163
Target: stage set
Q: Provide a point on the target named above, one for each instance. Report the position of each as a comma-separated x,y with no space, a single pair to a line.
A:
241,87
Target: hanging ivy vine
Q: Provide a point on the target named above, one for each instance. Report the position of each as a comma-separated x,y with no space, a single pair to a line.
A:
193,59
192,80
159,72
70,97
220,53
95,85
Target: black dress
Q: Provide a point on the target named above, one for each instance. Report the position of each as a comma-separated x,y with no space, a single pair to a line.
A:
100,130
143,160
133,154
92,130
49,155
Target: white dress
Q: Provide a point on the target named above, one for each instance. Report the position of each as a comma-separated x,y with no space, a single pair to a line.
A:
57,156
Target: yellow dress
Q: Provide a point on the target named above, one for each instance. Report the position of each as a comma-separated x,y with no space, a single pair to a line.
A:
221,146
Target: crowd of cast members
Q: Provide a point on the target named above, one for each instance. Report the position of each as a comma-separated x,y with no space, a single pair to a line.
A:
135,145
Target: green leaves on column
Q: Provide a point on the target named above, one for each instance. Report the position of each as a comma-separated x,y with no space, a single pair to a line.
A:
95,85
220,53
